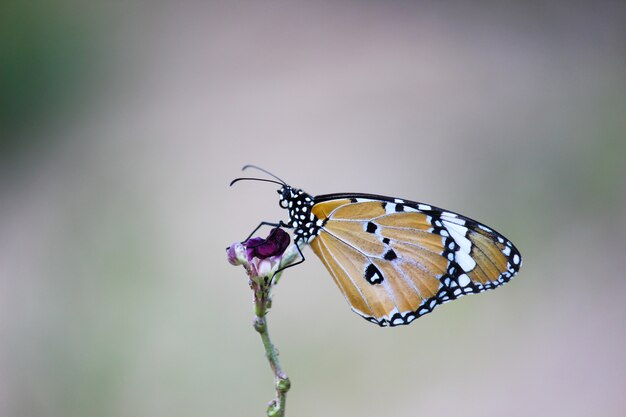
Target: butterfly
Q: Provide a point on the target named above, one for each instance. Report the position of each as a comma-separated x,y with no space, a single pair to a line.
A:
395,260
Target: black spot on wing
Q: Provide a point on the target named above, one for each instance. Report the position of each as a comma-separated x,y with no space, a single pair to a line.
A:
371,227
373,275
390,255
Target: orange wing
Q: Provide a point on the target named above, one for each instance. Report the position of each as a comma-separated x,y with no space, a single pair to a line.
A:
396,260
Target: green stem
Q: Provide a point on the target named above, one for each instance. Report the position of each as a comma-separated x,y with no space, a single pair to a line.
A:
276,407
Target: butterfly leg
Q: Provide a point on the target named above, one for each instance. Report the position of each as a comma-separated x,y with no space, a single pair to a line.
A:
279,224
294,264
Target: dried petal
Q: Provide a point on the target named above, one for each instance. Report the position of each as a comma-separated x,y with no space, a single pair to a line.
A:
275,244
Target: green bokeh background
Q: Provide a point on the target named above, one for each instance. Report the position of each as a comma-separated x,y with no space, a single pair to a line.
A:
122,124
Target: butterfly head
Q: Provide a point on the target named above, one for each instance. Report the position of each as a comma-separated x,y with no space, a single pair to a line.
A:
286,196
301,218
299,204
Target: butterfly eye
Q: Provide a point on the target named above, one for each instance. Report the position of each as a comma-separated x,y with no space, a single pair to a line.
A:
283,203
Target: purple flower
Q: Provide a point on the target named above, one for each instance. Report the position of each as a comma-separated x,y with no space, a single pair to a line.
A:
275,244
261,257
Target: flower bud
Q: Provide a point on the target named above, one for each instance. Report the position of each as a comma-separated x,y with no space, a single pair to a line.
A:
236,254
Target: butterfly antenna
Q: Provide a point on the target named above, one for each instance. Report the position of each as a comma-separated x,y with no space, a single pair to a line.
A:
255,179
263,170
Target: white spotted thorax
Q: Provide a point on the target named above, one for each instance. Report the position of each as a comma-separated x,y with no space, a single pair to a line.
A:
306,226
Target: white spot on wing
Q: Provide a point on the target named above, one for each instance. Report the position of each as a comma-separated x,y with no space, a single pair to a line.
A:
464,280
377,277
465,261
452,218
390,208
458,233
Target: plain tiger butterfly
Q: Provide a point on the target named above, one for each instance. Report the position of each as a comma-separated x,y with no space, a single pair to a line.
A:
395,260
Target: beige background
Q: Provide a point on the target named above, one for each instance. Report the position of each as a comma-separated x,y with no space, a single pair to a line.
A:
123,125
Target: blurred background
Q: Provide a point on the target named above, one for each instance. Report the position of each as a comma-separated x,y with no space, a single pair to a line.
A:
122,123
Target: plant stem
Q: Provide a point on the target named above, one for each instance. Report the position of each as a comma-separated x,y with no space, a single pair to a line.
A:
276,407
